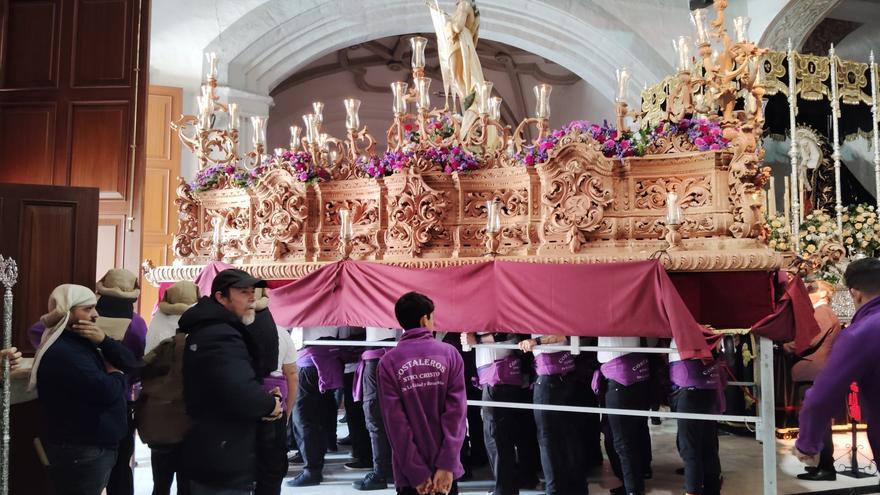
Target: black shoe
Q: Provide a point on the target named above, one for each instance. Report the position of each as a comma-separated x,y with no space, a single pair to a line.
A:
306,478
811,469
371,481
620,490
296,458
344,419
346,440
358,465
819,475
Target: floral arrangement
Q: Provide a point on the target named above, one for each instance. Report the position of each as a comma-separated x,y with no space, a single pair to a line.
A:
302,167
452,159
861,233
703,133
381,166
437,129
818,229
209,177
779,238
614,143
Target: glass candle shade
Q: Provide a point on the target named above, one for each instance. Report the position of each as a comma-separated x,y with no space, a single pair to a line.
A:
398,89
234,121
683,51
352,119
485,93
417,43
493,216
698,17
741,26
259,126
495,108
542,100
623,76
423,88
311,128
295,137
673,210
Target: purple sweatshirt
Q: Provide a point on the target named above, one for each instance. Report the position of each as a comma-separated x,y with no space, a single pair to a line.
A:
853,359
423,403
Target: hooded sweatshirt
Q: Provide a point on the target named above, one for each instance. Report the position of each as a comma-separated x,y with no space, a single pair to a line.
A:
423,402
223,397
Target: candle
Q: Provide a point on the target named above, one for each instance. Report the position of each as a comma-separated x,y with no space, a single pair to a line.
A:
417,43
485,92
542,103
318,107
698,17
309,120
673,209
212,65
622,80
345,227
259,126
772,199
322,140
295,137
493,216
786,201
495,108
352,120
234,121
423,88
204,115
398,89
741,25
682,49
208,95
217,238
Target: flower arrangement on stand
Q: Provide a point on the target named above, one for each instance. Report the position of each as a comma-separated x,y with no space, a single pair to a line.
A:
779,237
861,233
703,133
385,165
211,177
452,159
817,232
614,143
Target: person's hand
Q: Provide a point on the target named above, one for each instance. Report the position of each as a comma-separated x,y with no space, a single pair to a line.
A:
528,345
809,460
276,413
442,481
88,330
468,339
13,355
426,487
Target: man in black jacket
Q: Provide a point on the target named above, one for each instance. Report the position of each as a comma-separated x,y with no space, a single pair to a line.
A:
223,395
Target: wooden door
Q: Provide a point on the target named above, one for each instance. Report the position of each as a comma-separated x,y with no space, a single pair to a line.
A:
160,184
73,81
51,233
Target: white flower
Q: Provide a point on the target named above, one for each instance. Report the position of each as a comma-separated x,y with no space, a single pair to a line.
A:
871,220
858,226
811,248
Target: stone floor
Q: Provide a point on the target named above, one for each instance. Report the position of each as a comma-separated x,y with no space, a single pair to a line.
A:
740,459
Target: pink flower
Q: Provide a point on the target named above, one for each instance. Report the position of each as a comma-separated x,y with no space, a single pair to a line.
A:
530,159
700,142
715,146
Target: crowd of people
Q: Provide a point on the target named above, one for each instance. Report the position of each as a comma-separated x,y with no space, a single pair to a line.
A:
223,396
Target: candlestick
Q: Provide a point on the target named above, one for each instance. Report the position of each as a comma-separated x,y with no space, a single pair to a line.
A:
417,43
345,227
295,137
311,128
398,89
876,138
542,103
495,108
212,65
741,25
259,125
698,17
423,88
622,80
682,49
485,92
786,202
772,197
234,121
792,151
352,120
835,117
673,209
318,107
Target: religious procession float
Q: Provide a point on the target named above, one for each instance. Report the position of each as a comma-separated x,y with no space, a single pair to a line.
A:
677,188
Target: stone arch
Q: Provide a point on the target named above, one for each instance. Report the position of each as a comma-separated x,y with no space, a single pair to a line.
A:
796,20
279,37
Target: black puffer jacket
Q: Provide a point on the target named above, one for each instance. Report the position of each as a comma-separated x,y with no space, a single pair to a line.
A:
223,398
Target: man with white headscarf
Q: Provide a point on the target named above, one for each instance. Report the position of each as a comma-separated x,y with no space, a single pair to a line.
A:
80,376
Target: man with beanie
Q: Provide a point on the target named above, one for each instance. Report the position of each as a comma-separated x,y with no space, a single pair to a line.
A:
224,397
117,292
423,402
81,381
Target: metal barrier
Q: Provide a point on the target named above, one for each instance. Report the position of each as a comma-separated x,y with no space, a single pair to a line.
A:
764,421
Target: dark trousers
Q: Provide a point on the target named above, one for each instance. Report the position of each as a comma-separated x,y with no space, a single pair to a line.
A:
558,436
196,488
80,469
373,416
630,433
412,491
165,462
121,478
504,430
271,457
357,425
697,440
826,455
310,412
